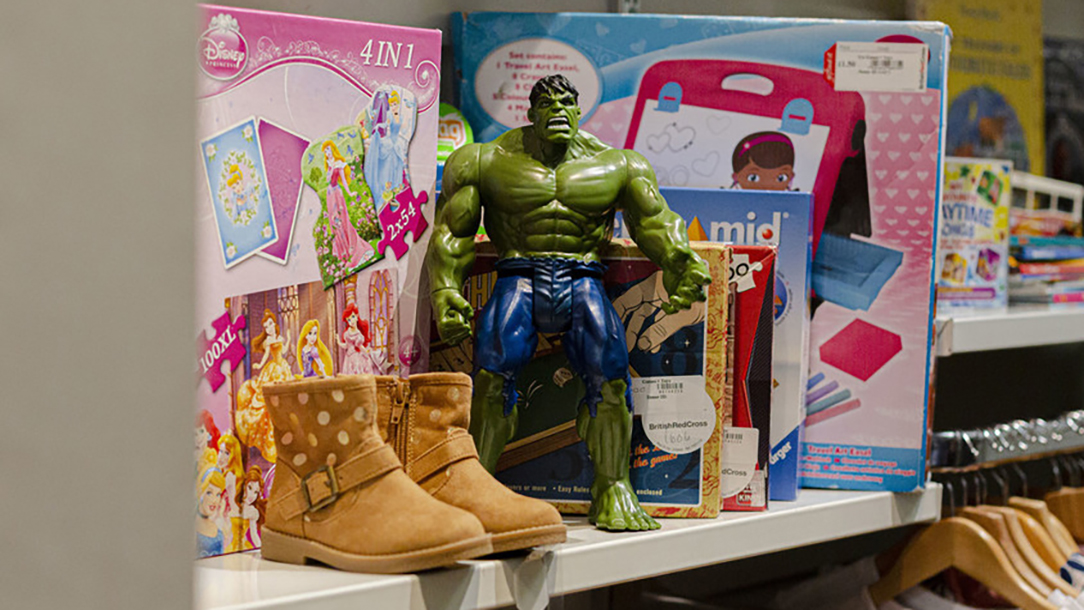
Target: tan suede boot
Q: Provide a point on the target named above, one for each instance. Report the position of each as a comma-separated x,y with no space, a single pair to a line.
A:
425,418
340,495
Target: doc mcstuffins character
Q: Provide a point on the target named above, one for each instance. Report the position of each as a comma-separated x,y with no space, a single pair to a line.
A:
206,433
213,532
312,354
251,419
253,506
763,161
550,192
360,359
346,245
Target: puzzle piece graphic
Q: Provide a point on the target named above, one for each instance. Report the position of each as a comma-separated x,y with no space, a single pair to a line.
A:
226,345
741,272
407,216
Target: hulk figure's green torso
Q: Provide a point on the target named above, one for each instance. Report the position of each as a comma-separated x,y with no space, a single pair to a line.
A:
532,209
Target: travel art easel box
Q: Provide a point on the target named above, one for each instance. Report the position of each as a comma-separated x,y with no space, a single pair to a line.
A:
316,147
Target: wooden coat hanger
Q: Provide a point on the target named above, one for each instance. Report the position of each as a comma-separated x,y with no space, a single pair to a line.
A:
1041,541
958,543
1015,522
1041,513
1035,560
1067,503
995,524
1038,538
1057,530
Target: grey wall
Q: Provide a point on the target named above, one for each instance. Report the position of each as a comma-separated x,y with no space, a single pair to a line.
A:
96,370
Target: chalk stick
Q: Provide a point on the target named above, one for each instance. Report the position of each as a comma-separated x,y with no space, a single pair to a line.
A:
832,400
831,412
816,395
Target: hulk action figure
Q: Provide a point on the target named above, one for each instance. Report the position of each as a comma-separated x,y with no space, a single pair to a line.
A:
550,192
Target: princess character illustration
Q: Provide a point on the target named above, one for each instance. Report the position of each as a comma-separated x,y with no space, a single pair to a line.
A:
360,359
763,161
312,354
253,506
229,464
346,245
213,534
387,139
251,419
206,434
244,196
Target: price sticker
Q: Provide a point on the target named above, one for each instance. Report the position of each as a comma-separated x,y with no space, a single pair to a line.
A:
877,66
676,412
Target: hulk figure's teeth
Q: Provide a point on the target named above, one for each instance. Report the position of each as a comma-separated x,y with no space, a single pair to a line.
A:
558,122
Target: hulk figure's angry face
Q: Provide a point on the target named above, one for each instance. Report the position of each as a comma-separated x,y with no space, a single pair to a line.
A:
555,115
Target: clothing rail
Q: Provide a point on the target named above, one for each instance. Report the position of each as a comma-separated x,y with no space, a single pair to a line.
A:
1016,441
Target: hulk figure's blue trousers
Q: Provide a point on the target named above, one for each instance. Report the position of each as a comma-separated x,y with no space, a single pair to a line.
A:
552,295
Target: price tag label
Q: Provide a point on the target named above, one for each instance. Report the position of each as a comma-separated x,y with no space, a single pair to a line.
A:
676,412
876,66
739,459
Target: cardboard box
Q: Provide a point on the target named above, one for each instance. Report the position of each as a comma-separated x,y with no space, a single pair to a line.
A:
546,459
781,220
849,111
746,476
284,103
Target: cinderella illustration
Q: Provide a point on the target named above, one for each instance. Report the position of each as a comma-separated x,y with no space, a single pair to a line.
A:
387,128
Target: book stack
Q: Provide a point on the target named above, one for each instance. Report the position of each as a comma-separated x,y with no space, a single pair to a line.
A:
1047,270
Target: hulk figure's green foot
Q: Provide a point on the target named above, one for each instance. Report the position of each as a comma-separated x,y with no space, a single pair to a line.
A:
609,440
489,426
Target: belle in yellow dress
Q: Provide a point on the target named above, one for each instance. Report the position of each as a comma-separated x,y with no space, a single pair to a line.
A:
251,419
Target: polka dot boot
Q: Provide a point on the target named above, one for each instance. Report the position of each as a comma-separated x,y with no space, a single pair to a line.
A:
425,419
340,496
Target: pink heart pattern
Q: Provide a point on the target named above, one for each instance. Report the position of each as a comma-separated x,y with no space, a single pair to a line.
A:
901,166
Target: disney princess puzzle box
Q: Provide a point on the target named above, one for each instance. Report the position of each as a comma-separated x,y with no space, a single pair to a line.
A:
316,141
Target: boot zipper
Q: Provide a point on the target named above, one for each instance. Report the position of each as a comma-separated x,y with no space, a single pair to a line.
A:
397,434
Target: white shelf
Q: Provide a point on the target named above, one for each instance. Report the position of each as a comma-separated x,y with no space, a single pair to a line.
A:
590,559
1022,326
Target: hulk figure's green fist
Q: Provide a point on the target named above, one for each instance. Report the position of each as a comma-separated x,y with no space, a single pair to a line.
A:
453,315
684,281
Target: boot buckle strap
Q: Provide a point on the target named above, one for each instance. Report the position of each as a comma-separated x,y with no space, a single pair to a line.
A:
443,454
323,486
320,492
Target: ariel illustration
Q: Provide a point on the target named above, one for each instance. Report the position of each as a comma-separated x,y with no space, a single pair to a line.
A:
391,126
253,507
206,433
346,245
312,354
251,419
360,359
213,534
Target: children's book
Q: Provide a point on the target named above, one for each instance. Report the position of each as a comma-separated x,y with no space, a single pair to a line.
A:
973,253
995,72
